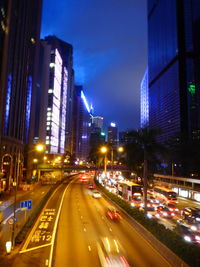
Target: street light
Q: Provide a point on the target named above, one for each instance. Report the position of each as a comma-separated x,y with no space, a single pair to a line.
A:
104,151
119,149
40,147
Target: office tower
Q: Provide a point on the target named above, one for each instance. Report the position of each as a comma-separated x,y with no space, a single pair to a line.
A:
144,101
174,67
82,119
97,122
19,39
52,94
113,134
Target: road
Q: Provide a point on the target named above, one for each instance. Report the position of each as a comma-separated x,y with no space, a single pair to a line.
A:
83,223
21,216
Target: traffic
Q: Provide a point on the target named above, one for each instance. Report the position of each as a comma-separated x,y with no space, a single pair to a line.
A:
162,205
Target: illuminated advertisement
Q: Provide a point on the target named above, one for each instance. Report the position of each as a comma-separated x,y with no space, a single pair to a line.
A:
53,114
64,110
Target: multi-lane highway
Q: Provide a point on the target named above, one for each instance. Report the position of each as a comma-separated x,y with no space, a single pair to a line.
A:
79,224
83,224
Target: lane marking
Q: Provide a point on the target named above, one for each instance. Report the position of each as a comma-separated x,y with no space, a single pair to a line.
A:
37,222
30,249
56,224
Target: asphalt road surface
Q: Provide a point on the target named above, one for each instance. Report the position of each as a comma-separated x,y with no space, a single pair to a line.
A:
82,226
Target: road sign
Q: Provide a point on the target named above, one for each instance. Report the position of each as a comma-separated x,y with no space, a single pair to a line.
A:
26,204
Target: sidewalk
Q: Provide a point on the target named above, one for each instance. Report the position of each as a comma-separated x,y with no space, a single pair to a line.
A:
7,197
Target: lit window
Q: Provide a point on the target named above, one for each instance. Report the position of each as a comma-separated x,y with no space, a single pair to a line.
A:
50,91
48,109
48,128
48,123
32,40
52,65
47,142
49,113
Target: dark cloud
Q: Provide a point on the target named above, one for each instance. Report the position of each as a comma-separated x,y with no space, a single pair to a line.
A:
110,55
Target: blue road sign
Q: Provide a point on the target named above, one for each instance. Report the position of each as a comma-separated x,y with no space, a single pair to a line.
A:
26,204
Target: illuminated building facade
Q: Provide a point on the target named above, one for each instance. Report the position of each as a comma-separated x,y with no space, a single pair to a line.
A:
52,95
97,122
144,101
82,124
113,134
174,67
19,43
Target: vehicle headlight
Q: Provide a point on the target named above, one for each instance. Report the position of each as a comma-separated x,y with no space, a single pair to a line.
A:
157,215
172,214
176,209
198,219
165,213
194,228
149,215
133,204
171,209
197,237
187,238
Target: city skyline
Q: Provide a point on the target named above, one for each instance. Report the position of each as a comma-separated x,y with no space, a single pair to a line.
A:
108,61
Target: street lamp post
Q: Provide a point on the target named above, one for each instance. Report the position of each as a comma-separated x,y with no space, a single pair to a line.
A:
104,151
15,183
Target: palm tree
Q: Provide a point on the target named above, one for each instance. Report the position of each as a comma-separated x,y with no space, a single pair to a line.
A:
146,152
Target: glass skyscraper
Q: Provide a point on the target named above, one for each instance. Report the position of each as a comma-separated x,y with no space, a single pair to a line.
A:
174,67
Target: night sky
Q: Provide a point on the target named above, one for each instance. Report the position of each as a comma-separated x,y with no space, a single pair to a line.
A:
110,52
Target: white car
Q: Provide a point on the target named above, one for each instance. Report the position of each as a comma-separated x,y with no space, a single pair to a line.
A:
96,194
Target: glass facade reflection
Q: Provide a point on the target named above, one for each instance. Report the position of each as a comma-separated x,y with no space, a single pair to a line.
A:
174,66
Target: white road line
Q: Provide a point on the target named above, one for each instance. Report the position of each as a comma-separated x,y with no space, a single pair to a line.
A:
37,222
56,225
30,249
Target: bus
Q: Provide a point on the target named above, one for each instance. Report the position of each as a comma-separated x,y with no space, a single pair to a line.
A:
166,195
129,190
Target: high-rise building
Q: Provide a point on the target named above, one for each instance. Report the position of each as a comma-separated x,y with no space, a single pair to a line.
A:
52,94
113,134
19,40
82,119
174,67
97,122
144,101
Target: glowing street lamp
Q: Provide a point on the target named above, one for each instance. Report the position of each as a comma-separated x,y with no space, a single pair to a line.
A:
40,147
104,151
120,149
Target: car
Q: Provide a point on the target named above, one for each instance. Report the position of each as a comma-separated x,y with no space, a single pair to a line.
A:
187,233
96,194
136,202
192,215
151,212
165,212
111,253
172,207
113,214
91,186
